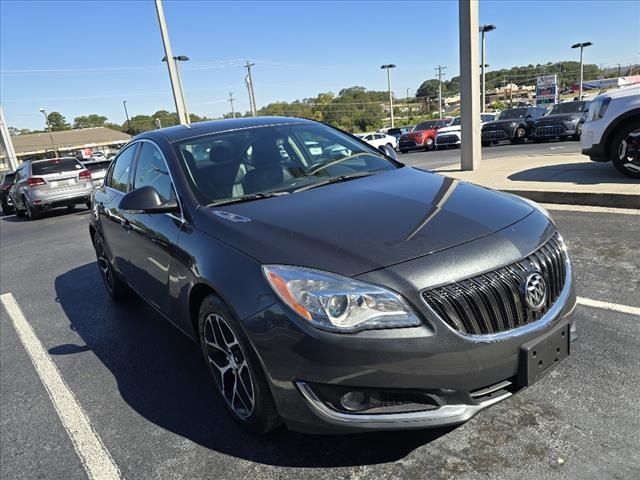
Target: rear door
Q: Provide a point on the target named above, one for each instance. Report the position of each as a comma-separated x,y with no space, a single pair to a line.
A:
114,230
153,236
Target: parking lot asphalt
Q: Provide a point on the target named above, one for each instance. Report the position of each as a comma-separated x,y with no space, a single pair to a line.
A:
451,156
147,394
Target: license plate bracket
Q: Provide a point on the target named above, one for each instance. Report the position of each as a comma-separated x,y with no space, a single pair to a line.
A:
541,355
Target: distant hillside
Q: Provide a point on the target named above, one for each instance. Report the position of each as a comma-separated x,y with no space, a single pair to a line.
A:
568,71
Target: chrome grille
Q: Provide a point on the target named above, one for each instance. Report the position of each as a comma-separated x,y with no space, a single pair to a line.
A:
494,134
548,130
491,302
447,139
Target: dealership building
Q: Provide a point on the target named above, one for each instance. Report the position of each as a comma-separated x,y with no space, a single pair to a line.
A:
82,142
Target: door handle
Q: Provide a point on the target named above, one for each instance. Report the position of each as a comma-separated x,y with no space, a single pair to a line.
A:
126,225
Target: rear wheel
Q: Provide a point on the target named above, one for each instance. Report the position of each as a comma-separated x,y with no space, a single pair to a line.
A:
6,208
235,367
32,213
624,151
116,288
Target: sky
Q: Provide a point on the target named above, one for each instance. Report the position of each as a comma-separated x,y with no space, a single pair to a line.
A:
83,57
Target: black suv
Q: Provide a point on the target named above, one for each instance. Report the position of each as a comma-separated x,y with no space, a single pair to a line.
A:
514,124
563,121
5,185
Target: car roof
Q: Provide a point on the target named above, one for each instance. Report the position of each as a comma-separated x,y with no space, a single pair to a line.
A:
184,132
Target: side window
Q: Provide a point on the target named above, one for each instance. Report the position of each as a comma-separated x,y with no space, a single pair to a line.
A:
119,176
151,169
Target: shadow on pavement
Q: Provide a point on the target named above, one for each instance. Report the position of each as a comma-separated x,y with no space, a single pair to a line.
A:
162,376
584,173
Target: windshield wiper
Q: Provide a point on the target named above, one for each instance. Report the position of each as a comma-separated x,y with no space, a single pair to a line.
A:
247,198
341,178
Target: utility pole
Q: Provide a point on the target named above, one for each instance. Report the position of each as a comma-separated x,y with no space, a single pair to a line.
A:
469,85
46,119
124,102
252,97
581,46
173,73
440,69
7,143
388,68
619,70
233,112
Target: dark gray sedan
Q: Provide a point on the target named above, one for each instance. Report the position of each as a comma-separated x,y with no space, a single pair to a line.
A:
337,289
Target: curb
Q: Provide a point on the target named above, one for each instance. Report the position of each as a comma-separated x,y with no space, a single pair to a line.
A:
591,199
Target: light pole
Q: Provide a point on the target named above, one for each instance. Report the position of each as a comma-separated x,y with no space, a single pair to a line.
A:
581,46
483,30
126,113
388,67
180,58
46,119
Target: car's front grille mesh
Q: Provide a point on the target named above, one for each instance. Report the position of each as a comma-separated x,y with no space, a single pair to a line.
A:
447,139
550,130
491,302
494,134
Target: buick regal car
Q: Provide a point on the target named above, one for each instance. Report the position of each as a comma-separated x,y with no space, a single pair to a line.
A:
563,121
336,290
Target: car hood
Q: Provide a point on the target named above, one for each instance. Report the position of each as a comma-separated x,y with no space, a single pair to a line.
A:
559,117
455,128
497,124
364,224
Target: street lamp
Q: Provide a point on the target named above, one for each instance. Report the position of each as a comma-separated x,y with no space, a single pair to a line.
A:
126,113
388,67
581,46
483,29
180,58
46,119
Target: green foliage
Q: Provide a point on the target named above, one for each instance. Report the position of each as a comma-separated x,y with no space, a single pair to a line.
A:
429,88
88,121
354,108
57,122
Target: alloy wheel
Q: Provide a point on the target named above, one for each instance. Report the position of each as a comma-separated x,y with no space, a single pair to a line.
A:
104,266
229,366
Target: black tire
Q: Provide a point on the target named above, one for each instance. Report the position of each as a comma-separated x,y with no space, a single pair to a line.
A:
19,213
6,208
32,213
624,153
519,136
218,326
403,151
429,144
117,289
486,144
88,204
71,208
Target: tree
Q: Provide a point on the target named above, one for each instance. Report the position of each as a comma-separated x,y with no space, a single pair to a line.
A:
57,122
114,126
429,88
88,121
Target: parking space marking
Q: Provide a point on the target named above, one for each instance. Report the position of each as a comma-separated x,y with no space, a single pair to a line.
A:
616,307
95,458
589,209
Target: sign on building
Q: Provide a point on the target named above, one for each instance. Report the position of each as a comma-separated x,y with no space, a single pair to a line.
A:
547,89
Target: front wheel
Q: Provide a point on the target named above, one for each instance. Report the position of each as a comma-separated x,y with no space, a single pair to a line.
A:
519,136
6,208
625,150
428,144
235,368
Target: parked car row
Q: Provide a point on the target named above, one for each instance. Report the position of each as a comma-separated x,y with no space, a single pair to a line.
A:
377,139
38,186
451,136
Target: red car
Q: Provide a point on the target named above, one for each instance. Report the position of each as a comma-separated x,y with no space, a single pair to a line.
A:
422,136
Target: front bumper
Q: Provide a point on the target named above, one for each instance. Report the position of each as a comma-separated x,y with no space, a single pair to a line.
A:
555,130
498,134
464,374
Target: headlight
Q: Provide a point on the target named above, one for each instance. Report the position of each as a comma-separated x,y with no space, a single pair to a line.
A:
336,303
603,107
513,124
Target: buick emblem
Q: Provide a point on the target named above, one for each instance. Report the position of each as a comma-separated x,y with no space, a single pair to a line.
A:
534,291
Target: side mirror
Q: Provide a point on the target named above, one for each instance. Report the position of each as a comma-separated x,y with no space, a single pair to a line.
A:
388,151
147,200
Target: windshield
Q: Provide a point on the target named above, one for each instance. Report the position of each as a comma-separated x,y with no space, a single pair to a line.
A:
569,107
455,122
513,113
57,165
274,159
426,125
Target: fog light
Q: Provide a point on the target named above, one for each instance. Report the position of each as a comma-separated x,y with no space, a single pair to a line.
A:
354,401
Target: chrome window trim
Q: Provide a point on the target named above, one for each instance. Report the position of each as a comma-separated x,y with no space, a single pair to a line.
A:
540,324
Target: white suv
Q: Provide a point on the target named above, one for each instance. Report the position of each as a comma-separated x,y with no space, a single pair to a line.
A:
612,130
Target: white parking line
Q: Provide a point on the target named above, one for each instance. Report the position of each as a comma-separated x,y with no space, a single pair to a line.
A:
588,209
616,307
94,456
